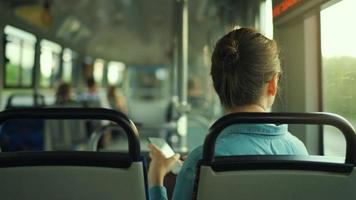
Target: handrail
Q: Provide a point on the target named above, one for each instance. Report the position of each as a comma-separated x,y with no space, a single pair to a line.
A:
81,113
98,133
281,118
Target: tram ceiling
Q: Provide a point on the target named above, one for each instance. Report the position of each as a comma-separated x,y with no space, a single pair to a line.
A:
136,32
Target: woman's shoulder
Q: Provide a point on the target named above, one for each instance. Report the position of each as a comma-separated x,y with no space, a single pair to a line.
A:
297,144
193,158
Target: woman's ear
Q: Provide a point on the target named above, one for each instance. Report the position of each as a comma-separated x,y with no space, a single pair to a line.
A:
273,85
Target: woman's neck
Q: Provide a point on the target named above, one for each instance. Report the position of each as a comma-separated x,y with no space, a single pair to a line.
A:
248,108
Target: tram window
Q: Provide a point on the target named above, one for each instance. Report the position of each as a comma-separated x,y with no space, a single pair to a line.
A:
20,55
50,63
148,83
99,65
115,73
266,18
339,68
69,57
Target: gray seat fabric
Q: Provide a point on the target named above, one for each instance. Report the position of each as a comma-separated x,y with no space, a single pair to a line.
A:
95,176
276,184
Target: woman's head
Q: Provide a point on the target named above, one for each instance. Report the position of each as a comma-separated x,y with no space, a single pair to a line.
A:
64,92
245,68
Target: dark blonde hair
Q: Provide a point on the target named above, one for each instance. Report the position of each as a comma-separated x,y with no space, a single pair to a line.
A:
243,61
63,93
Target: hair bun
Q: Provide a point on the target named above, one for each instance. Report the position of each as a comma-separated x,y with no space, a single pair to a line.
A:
232,54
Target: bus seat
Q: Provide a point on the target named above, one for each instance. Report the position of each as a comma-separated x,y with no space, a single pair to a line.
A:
21,100
21,135
73,174
293,178
277,177
18,134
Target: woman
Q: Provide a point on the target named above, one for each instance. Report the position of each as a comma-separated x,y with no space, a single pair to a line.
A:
64,95
245,70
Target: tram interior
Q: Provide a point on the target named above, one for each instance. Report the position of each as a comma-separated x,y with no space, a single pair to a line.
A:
121,43
151,61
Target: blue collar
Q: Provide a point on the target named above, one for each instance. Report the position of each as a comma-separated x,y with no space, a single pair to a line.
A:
259,129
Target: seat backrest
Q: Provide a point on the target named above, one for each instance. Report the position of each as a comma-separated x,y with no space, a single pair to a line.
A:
21,135
25,101
277,177
270,178
71,175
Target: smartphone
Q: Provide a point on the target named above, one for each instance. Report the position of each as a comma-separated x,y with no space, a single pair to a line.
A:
167,151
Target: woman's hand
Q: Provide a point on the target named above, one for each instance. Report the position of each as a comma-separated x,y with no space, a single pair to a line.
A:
159,166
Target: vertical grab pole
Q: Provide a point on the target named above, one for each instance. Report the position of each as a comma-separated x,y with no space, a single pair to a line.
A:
36,76
2,63
183,24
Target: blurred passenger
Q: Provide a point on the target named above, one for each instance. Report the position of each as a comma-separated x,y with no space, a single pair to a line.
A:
148,83
90,98
194,93
64,95
245,71
171,118
116,100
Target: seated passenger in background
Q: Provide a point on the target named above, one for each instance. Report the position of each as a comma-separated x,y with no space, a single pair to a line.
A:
90,98
64,95
194,93
245,71
116,100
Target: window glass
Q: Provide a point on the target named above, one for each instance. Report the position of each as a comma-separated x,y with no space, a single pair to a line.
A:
339,69
50,63
148,82
266,18
20,57
28,59
115,72
13,62
99,71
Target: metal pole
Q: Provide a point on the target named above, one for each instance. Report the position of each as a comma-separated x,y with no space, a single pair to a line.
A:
183,51
2,63
183,21
36,71
174,69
